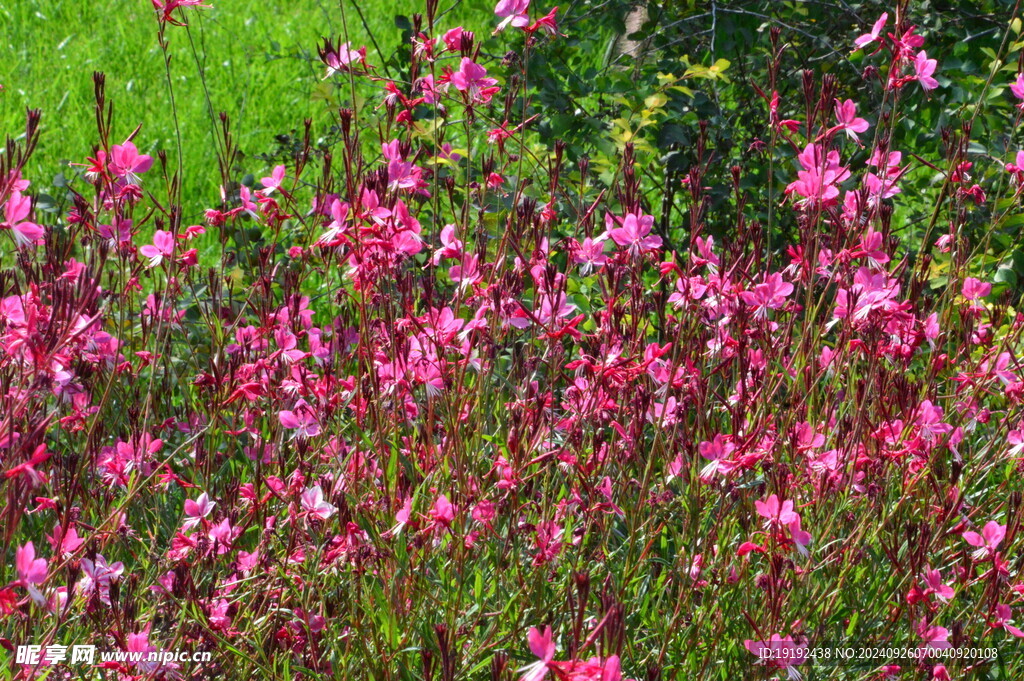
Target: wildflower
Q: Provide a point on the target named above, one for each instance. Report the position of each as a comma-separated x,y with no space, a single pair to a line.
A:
923,70
589,254
127,162
717,452
342,58
31,571
301,419
1004,619
313,503
1017,88
97,577
547,23
779,652
162,247
632,232
846,115
16,210
988,541
274,181
198,509
974,289
774,512
513,13
875,35
472,79
769,295
64,542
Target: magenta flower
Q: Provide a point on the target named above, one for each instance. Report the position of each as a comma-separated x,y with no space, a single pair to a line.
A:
594,669
779,652
442,514
313,503
846,115
819,177
1017,88
717,452
874,35
342,58
935,585
472,79
64,542
1004,619
31,571
589,254
541,645
633,232
98,576
769,295
197,510
513,12
988,541
274,181
302,420
929,420
975,289
162,247
775,512
127,162
923,70
16,210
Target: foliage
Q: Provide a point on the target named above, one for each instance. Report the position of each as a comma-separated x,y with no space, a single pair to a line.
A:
534,354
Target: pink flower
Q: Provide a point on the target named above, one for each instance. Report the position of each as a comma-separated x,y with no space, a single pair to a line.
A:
589,254
302,420
776,513
98,576
472,79
274,180
974,289
1004,619
313,503
1017,87
923,70
541,645
64,543
453,39
819,177
1017,165
224,535
770,295
16,210
442,513
717,452
127,162
450,246
800,538
933,578
929,420
342,58
197,510
547,23
779,652
513,12
162,247
988,541
874,35
846,115
632,233
31,571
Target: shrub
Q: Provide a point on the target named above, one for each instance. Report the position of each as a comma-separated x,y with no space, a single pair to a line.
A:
447,398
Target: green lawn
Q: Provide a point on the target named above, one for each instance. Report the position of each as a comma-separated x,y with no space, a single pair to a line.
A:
259,57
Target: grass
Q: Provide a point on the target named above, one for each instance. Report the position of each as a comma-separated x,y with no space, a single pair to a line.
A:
259,59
